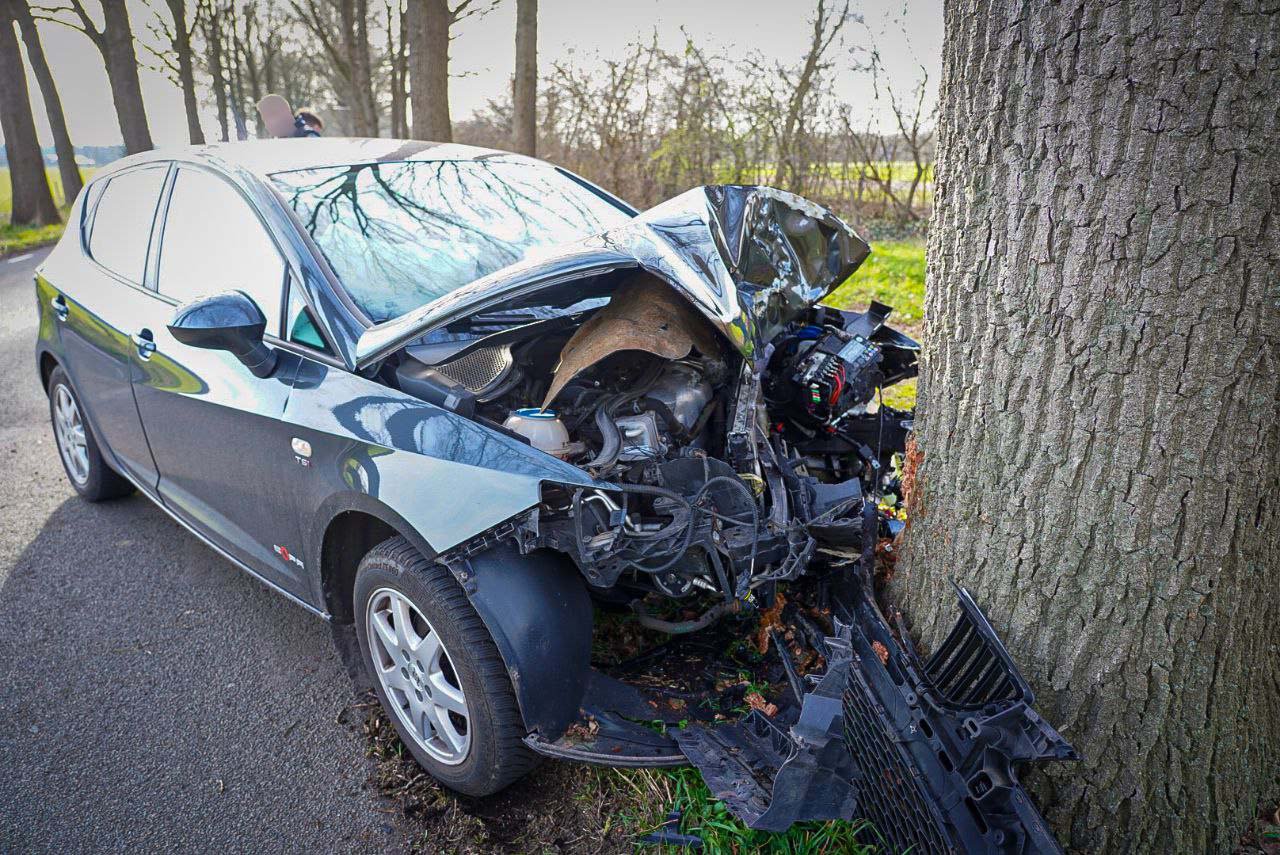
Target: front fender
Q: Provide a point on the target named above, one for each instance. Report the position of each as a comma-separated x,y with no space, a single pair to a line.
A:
537,610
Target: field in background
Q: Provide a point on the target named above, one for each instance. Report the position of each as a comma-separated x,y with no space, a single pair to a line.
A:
22,238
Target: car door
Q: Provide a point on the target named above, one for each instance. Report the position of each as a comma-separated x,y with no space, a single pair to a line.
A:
215,429
96,303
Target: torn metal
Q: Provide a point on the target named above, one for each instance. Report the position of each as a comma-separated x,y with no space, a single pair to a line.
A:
721,436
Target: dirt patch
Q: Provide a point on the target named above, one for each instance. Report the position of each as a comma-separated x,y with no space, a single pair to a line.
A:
560,807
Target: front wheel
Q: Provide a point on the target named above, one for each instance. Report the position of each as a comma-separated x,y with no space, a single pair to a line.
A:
88,473
437,671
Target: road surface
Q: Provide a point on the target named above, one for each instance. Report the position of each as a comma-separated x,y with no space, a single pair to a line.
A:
154,697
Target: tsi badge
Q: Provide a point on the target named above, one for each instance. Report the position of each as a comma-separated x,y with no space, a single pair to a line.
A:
301,451
284,553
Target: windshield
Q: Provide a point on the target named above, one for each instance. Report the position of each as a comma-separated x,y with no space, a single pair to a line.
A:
400,235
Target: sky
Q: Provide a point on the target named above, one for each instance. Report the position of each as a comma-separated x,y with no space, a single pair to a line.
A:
908,32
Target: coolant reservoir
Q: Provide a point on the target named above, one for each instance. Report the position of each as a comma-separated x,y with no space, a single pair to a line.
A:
542,428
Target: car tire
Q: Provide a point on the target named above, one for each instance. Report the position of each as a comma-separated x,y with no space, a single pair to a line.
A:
77,447
395,574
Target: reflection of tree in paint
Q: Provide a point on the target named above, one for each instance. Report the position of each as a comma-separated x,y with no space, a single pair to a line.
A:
402,234
161,371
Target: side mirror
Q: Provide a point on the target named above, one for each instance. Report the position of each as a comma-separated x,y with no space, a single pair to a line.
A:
230,321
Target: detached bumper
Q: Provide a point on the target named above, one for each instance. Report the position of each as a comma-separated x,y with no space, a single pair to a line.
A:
925,751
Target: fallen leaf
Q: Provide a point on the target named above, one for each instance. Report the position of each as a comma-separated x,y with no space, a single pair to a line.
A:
882,652
757,702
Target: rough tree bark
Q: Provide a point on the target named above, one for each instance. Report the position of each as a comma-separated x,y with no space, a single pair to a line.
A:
1100,402
524,121
429,23
32,202
67,169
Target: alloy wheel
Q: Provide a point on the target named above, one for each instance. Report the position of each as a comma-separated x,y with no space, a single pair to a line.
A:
418,677
68,430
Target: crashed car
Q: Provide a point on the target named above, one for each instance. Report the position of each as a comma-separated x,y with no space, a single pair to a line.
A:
468,407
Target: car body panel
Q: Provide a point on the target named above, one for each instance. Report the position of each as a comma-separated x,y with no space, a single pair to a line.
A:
445,475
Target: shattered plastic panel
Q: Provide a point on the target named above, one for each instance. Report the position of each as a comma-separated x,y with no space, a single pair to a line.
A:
924,751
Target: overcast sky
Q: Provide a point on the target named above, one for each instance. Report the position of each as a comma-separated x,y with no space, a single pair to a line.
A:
909,35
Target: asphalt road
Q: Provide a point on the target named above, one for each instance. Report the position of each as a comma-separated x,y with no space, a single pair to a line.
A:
152,696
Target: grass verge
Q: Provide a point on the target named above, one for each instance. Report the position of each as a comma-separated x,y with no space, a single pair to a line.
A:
18,239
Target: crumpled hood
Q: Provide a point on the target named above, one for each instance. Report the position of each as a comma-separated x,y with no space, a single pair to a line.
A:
749,258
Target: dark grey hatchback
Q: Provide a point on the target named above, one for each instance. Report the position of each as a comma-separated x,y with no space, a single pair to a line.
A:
460,403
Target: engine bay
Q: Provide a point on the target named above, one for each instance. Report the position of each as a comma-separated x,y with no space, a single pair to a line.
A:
725,471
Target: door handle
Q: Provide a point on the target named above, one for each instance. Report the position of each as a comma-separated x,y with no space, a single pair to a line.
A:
145,343
59,304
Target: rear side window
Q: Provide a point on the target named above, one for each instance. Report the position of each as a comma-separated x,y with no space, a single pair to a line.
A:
213,241
122,221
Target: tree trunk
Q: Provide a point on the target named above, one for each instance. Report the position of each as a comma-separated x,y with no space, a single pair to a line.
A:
213,37
186,71
429,22
67,169
1099,440
32,203
524,122
122,73
362,70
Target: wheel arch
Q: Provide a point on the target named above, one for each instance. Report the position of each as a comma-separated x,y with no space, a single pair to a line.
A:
350,526
47,363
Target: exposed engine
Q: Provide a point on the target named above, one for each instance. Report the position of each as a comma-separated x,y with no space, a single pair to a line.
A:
725,473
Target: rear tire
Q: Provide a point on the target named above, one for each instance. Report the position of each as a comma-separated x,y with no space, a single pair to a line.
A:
463,671
78,449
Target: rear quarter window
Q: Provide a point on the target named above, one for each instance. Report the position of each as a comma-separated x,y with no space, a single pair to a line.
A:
120,228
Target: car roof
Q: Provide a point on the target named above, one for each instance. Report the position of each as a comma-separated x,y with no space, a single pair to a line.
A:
264,157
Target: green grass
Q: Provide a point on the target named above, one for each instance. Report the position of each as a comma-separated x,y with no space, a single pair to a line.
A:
14,239
893,275
637,800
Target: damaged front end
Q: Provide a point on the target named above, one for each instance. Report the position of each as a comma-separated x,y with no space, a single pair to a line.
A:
734,451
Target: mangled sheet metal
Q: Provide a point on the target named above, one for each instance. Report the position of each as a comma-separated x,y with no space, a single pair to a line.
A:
642,314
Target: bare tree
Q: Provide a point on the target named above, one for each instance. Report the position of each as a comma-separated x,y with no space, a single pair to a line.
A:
340,29
32,201
67,168
211,18
430,23
398,68
1099,433
114,41
825,28
177,61
524,119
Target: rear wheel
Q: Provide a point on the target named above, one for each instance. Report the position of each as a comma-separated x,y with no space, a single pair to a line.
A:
81,458
437,671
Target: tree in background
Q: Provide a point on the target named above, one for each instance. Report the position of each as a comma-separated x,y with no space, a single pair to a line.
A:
178,61
32,200
398,68
114,40
213,30
340,31
524,118
429,24
1098,451
67,168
